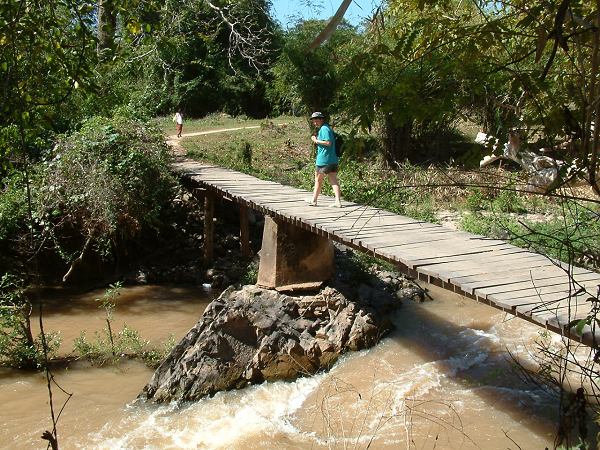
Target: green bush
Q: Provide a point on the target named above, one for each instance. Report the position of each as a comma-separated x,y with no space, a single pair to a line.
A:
13,206
574,238
127,343
251,275
508,201
108,347
108,182
105,348
361,184
422,207
244,153
475,200
491,225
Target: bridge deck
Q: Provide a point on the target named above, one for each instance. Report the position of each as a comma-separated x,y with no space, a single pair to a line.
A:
525,284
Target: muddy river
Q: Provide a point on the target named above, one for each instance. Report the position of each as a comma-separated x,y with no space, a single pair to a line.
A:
442,379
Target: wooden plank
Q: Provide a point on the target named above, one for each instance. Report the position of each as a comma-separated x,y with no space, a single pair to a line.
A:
451,270
452,243
557,316
384,232
562,320
516,286
361,222
533,301
471,282
552,293
252,189
483,271
263,195
448,272
401,239
568,307
496,253
561,289
422,254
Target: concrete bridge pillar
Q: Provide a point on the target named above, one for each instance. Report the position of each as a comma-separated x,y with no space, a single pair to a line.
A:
292,258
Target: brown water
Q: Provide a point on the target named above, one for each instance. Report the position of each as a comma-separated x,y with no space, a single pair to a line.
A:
440,380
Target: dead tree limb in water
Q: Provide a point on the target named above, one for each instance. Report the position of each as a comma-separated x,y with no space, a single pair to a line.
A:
48,436
78,260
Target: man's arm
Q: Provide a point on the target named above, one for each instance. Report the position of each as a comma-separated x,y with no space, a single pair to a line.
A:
318,142
324,137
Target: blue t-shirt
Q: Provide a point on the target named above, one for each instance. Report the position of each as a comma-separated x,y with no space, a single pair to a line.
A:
326,155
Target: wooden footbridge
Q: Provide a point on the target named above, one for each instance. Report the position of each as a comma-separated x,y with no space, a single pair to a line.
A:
528,285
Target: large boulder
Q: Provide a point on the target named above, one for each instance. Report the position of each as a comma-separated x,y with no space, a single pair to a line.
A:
253,334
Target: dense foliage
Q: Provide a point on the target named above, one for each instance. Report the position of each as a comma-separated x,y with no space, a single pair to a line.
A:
309,81
96,188
184,55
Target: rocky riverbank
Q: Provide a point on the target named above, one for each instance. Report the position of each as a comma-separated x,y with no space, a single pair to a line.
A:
250,335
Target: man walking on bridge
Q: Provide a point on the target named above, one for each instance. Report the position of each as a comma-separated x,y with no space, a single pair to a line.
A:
327,160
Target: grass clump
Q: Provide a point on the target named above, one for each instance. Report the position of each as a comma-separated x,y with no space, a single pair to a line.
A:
108,347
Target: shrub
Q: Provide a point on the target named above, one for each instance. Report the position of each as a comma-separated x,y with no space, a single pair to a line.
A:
251,275
13,206
108,347
244,152
574,237
422,207
107,182
362,184
475,200
105,348
508,201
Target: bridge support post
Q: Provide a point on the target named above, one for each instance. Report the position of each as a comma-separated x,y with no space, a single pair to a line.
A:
209,227
244,232
292,258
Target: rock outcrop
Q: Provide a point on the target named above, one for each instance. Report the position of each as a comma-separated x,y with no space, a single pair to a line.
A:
253,334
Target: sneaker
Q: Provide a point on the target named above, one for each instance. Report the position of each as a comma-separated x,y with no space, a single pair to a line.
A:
336,205
310,202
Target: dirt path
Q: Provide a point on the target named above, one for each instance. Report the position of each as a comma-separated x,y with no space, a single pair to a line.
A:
174,142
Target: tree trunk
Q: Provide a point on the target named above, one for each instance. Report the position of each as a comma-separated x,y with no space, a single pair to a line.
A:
594,107
331,26
107,24
397,141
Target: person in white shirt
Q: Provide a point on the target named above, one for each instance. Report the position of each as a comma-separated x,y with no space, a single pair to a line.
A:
178,119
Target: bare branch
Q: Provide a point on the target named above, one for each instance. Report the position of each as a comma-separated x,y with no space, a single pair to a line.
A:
244,38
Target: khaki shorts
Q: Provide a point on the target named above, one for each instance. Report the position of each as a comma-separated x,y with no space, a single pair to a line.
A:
329,168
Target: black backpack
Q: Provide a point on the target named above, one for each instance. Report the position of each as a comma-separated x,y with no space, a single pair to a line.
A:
339,144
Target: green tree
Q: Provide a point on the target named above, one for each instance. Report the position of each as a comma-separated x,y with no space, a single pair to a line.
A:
403,80
46,53
202,56
533,66
310,79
